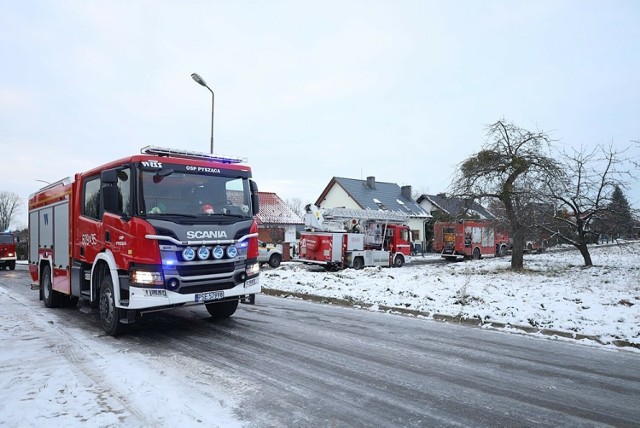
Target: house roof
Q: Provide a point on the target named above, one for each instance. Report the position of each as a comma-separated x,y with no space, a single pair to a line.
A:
381,195
273,210
456,207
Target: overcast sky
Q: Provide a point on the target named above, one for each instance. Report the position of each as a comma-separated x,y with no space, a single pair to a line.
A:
399,90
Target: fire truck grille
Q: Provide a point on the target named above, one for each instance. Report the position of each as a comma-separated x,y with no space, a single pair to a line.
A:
205,269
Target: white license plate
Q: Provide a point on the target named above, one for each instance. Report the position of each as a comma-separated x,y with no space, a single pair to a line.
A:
252,281
211,295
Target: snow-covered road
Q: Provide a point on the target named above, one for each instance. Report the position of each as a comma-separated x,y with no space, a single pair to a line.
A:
285,362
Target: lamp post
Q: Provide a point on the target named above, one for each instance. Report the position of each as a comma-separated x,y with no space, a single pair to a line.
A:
201,81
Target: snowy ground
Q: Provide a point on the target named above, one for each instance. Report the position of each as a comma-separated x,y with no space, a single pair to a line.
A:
53,375
59,376
555,291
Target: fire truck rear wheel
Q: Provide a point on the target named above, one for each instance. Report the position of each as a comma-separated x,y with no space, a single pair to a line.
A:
398,261
476,254
223,309
109,313
358,263
50,297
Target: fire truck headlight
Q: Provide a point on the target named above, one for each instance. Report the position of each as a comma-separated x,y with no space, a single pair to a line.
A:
218,252
253,269
145,277
203,253
232,251
10,255
188,254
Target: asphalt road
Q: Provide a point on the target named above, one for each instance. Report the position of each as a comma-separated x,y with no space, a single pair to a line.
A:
295,363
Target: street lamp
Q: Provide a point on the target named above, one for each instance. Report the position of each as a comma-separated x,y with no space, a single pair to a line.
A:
201,81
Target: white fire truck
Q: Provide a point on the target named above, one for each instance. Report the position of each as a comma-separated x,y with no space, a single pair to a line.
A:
340,238
149,232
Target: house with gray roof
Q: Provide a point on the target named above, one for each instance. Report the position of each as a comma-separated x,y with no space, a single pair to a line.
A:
374,195
454,208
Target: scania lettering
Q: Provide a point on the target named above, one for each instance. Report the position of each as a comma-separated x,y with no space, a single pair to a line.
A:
148,232
211,234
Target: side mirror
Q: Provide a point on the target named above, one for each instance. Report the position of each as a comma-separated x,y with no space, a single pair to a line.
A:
255,200
109,176
109,191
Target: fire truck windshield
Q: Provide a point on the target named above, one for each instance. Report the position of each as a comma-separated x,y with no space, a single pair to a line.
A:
5,238
167,193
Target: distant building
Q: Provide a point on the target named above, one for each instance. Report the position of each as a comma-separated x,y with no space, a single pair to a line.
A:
275,219
453,208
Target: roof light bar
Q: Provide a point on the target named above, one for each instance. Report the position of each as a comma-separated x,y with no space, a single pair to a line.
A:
188,154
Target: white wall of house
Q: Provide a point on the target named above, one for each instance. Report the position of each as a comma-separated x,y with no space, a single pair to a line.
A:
416,224
427,205
337,197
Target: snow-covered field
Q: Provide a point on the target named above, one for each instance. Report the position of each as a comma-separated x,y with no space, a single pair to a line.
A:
555,292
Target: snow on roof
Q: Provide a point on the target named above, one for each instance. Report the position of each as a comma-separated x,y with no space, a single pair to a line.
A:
273,210
457,206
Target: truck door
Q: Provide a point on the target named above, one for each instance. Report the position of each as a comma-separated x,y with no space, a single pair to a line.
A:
88,239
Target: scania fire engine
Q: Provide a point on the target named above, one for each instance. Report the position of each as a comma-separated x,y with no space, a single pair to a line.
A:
340,238
7,251
469,239
149,232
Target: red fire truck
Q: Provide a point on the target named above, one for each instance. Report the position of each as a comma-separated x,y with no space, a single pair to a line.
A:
469,239
341,238
149,232
7,251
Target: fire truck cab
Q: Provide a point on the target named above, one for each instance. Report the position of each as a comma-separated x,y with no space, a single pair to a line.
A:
154,231
8,255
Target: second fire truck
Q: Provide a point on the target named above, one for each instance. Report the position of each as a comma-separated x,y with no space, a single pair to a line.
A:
7,251
149,232
340,238
469,239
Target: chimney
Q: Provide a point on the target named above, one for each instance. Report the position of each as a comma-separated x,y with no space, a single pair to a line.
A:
371,182
406,192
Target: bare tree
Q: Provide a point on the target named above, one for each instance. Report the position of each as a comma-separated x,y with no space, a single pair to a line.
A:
9,208
295,204
583,197
508,168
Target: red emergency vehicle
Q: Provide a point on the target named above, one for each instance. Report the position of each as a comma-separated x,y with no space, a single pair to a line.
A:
469,239
339,238
7,251
153,231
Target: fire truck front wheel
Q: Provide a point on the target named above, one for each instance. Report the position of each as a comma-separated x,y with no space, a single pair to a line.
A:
398,261
109,314
50,297
222,309
476,254
12,265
